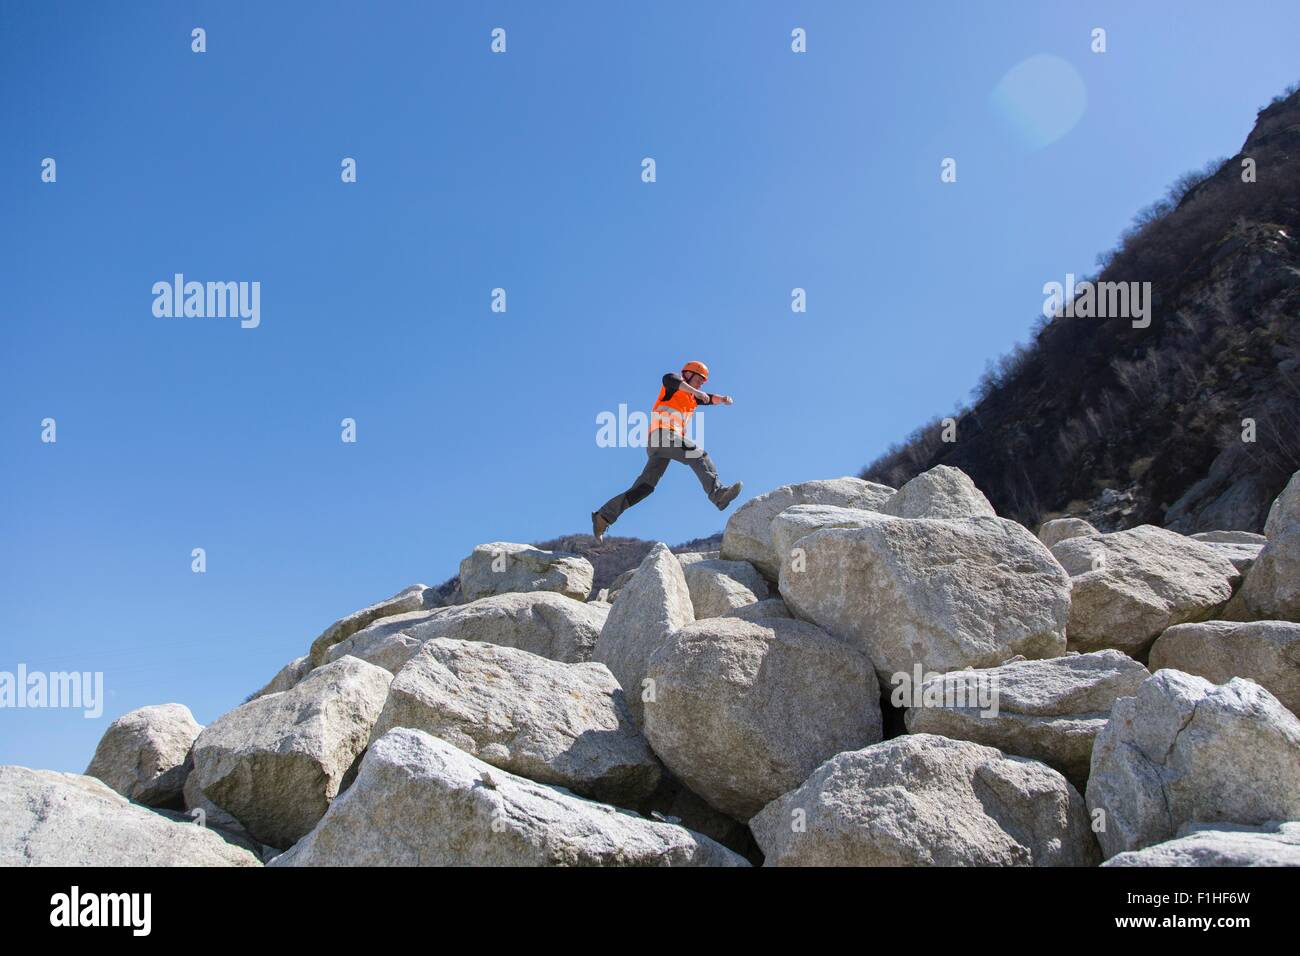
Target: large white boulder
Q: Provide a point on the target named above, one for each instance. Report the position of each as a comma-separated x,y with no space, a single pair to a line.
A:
419,801
1271,590
1285,510
1230,537
204,812
540,622
1127,587
67,820
381,645
1225,844
145,754
719,586
655,602
923,800
800,521
562,724
940,593
1242,548
941,492
743,711
417,597
1242,556
1053,532
1267,652
1183,751
747,536
1050,710
287,676
760,610
276,762
687,558
503,568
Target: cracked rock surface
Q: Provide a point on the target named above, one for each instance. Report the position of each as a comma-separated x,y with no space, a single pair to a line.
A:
1184,751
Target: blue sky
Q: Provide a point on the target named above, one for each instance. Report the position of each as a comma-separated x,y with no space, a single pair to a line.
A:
520,171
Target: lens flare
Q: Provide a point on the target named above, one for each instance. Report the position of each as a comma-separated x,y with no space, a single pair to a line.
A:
1040,99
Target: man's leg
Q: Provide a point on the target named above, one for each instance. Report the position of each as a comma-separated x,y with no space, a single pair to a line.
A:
641,488
686,451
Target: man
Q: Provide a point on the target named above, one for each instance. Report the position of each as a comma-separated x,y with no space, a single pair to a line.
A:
667,442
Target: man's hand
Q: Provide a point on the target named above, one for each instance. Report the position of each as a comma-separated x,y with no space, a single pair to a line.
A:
721,399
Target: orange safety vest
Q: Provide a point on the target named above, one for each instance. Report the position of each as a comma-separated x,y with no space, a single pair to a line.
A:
673,413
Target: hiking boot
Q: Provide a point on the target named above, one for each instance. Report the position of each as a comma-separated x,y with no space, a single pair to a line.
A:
598,526
728,495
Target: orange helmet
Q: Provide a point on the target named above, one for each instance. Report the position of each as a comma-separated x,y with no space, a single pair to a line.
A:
698,367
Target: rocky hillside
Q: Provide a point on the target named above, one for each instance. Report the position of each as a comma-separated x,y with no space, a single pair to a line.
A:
1127,425
857,676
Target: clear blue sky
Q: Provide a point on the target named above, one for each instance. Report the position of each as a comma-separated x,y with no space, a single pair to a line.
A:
522,171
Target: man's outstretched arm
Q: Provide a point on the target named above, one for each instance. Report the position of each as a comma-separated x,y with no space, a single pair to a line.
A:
672,382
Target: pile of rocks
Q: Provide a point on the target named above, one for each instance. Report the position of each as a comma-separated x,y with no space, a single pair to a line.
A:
861,676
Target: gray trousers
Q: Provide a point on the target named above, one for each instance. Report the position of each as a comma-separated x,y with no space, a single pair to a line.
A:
663,446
